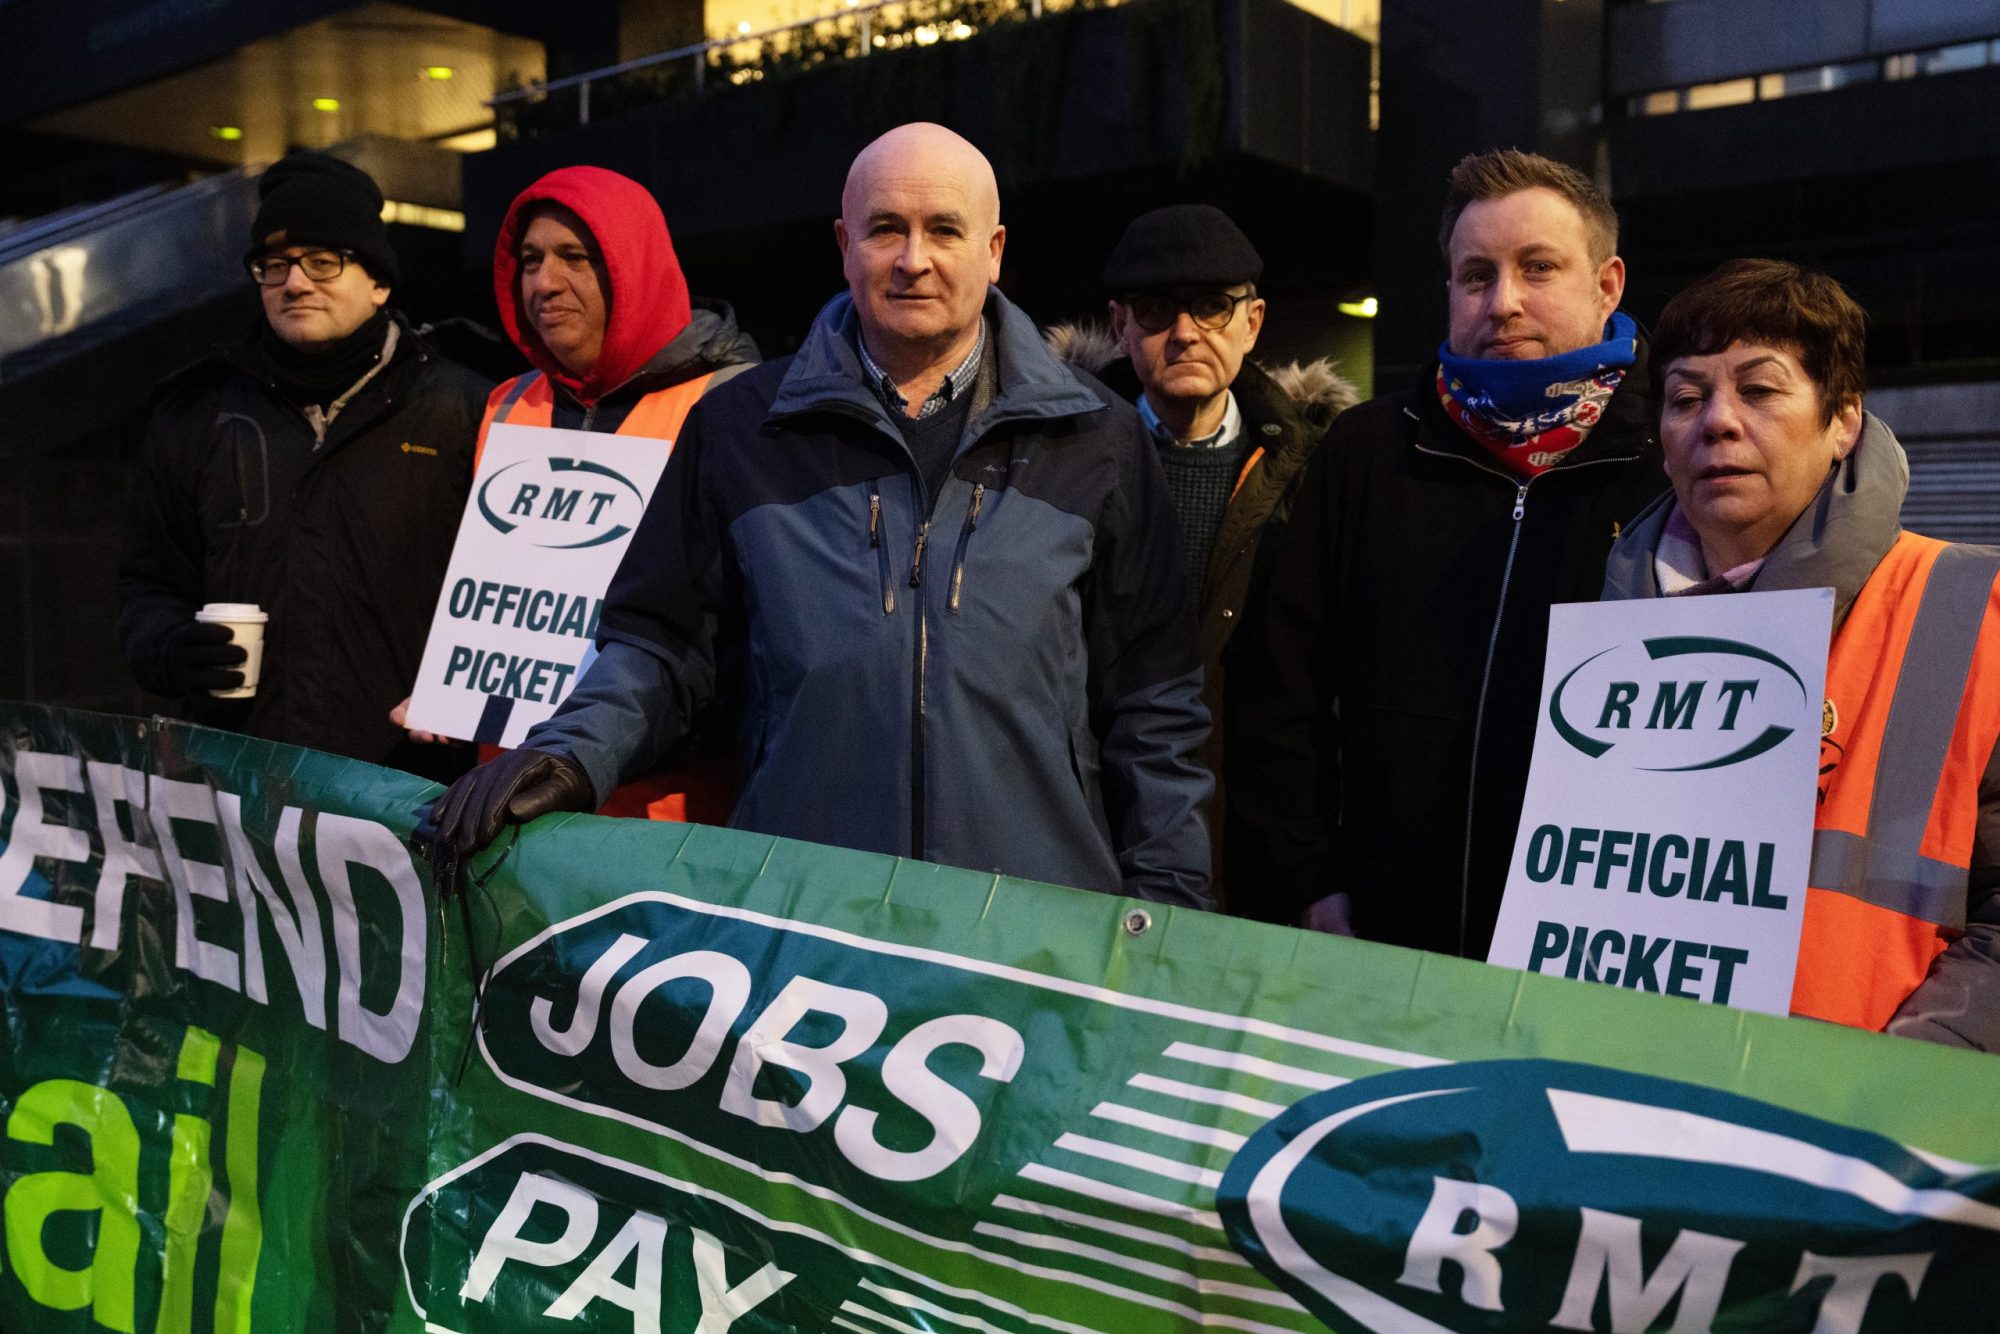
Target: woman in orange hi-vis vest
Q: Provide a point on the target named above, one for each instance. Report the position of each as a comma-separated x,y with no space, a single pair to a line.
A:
591,292
1781,480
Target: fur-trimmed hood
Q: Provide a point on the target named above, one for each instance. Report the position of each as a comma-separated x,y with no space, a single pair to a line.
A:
1317,390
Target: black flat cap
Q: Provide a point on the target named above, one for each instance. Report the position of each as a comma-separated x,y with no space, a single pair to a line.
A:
1182,245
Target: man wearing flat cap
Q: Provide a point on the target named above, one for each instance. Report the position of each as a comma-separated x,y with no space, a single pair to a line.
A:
315,467
1232,438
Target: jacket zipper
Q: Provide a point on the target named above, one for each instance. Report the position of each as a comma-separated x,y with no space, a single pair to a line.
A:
1479,712
881,548
1492,646
918,702
919,502
321,421
964,538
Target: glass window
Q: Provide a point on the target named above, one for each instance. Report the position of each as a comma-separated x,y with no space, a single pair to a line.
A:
1728,93
1951,59
1363,18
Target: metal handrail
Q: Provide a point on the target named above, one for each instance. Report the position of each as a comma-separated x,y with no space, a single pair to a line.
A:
582,81
74,279
55,228
34,233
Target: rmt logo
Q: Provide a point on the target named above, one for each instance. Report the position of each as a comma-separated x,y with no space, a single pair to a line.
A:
1675,703
1496,1196
1678,704
561,504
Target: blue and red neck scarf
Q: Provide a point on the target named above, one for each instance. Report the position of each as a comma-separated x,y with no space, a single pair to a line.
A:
1530,414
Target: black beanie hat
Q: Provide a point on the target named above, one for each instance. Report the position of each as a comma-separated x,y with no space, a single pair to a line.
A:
316,199
1182,245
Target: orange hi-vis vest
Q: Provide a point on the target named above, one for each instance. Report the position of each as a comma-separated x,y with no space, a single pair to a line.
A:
703,789
1912,717
530,400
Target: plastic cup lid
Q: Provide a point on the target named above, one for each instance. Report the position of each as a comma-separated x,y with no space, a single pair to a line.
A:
232,611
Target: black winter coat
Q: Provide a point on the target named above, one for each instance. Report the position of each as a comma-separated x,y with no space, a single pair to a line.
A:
1382,713
1285,413
343,543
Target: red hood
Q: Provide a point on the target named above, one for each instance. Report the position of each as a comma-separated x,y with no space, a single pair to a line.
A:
648,300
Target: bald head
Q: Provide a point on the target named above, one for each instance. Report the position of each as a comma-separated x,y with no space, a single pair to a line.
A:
923,151
920,240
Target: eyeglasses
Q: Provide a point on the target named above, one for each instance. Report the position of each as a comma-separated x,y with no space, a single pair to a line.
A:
319,265
1210,310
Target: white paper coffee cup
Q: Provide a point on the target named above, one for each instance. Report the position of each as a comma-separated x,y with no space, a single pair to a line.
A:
246,628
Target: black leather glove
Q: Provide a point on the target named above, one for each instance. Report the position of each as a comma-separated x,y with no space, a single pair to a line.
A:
516,786
200,657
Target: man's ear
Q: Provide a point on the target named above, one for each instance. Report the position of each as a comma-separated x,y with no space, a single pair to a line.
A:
1118,317
1255,316
379,295
995,244
840,235
1611,283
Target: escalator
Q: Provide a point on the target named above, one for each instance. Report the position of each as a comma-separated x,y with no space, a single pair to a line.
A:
99,301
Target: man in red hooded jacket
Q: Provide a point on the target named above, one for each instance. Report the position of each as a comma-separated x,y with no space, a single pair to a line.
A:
591,292
571,242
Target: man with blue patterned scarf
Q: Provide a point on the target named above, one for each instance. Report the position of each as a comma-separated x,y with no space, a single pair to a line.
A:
1383,717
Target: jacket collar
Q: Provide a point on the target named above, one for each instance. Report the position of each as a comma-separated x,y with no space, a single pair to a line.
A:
410,349
1837,542
825,374
1265,404
1623,432
710,342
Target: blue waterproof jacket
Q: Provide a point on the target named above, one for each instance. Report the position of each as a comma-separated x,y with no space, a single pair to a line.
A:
1002,677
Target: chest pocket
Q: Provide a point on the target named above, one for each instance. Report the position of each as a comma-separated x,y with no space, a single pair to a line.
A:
241,465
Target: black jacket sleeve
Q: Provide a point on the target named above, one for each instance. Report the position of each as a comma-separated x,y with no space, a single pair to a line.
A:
160,566
1281,741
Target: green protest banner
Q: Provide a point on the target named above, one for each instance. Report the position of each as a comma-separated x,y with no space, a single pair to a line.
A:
716,1082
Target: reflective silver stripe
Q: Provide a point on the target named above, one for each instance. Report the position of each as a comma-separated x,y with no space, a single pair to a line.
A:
1913,885
1887,868
521,384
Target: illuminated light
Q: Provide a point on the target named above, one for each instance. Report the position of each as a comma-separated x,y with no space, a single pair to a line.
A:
1364,309
326,104
744,26
961,30
472,141
226,133
881,40
440,72
1728,93
926,35
420,215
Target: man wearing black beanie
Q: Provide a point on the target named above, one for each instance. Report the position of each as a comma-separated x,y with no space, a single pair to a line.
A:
315,467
